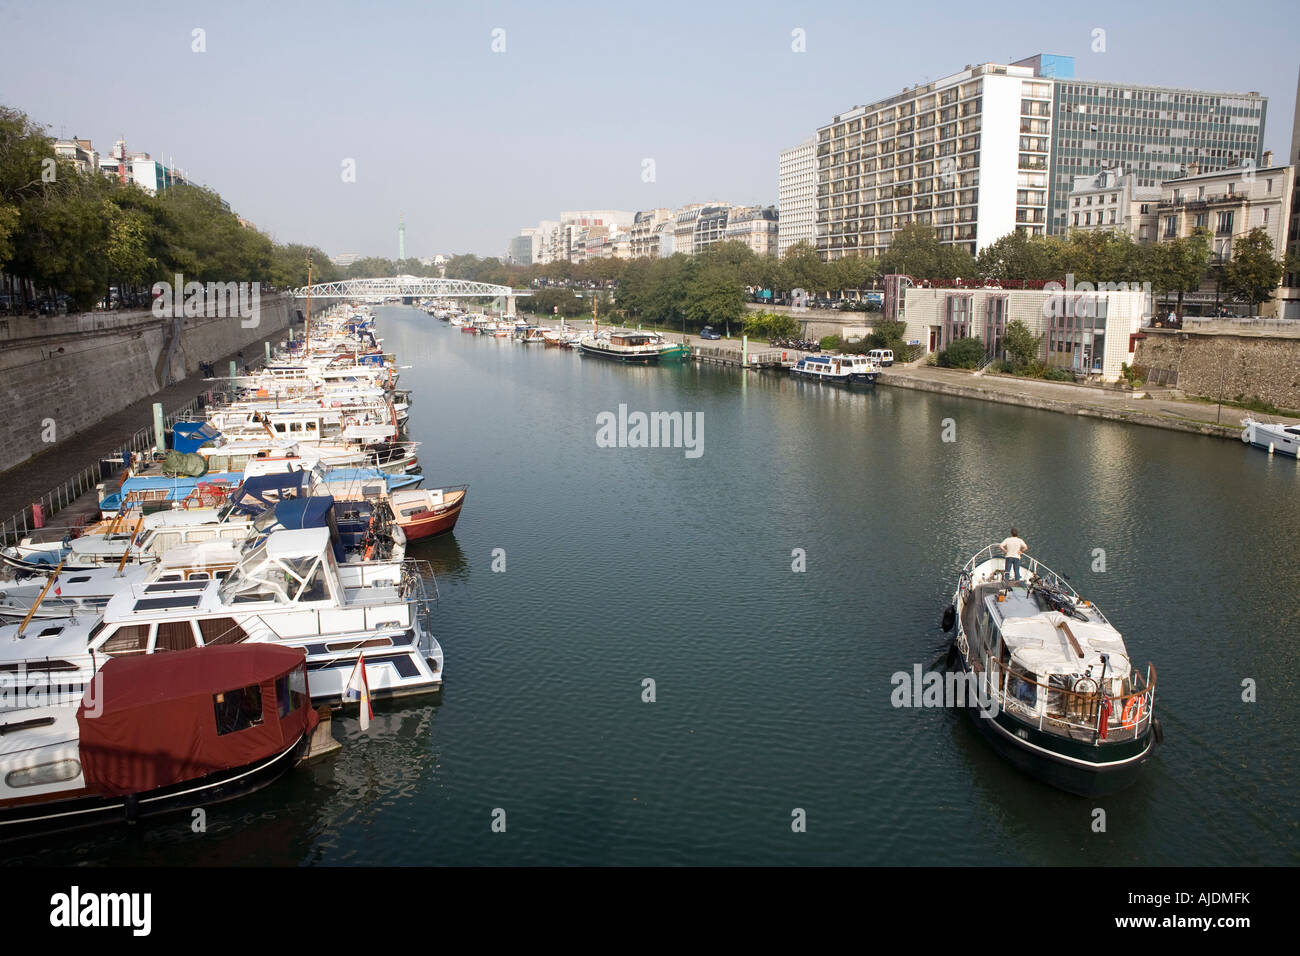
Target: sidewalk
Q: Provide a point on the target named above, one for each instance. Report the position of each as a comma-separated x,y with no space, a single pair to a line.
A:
27,481
1200,417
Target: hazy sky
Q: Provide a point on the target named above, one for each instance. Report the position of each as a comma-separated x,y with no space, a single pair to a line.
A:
472,144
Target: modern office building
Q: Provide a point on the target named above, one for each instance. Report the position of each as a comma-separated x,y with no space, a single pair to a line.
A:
995,148
1155,132
1089,332
797,195
1113,200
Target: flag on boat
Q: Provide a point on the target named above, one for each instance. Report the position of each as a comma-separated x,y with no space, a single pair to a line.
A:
358,689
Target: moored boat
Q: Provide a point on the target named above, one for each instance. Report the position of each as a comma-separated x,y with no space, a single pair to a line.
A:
837,369
423,513
156,734
1068,707
1272,437
636,347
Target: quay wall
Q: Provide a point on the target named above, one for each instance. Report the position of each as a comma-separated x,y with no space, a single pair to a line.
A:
1210,365
70,372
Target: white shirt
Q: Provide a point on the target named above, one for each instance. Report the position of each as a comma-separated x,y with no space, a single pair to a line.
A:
1014,547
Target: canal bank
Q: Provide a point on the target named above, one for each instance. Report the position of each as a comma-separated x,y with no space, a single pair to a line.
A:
1156,409
49,467
61,376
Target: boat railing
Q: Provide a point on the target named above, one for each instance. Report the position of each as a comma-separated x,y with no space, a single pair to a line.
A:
1034,570
1065,711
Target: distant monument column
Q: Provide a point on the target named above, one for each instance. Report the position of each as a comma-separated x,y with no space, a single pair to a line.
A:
401,238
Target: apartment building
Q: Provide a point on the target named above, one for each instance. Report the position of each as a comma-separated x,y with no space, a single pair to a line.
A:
1113,200
1230,203
996,148
644,235
797,195
756,226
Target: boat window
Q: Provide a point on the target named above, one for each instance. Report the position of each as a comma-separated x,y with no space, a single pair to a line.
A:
43,773
1021,689
220,630
197,576
238,709
128,639
165,541
50,631
79,579
169,577
280,427
315,588
205,535
291,691
174,636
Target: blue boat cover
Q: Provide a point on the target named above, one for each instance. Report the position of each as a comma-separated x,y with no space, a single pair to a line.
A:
189,437
258,492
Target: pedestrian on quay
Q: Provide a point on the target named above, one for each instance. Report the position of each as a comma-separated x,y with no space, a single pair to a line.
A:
1013,547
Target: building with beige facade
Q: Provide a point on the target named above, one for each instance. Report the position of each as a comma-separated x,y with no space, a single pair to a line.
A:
1113,200
1230,203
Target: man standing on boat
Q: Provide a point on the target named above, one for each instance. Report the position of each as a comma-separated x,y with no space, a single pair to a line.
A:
1013,547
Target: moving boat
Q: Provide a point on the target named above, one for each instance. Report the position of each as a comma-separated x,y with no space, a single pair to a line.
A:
156,734
639,347
837,369
424,513
1070,707
1284,439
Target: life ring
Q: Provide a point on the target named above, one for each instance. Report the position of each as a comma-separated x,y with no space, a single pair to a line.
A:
1133,711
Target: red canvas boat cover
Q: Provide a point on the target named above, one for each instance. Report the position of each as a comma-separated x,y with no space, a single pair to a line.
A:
151,720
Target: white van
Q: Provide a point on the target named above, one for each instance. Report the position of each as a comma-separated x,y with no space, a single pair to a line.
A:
883,357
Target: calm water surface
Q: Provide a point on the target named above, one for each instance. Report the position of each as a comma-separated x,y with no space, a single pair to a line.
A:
773,687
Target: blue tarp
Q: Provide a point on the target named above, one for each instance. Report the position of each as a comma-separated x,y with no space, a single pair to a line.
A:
258,492
189,437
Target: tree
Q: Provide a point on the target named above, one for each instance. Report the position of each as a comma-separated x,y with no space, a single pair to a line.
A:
1020,256
1020,343
963,353
1253,273
888,334
715,296
805,269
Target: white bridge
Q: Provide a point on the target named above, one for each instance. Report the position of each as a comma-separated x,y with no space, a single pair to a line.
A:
416,287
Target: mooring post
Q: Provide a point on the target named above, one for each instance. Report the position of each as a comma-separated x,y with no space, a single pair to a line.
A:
160,437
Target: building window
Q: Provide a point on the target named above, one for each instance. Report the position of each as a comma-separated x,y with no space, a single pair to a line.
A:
1171,226
1224,227
956,319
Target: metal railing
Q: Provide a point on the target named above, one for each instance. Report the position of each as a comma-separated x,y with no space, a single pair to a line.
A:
142,441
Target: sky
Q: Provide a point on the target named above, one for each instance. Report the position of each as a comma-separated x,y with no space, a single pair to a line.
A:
474,119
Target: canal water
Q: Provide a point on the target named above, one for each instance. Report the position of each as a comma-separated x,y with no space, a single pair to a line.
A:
617,566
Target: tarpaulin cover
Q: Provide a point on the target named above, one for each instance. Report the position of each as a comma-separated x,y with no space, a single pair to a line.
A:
179,463
191,436
259,492
151,721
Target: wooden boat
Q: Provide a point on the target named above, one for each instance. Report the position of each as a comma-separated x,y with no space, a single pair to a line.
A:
424,513
1064,703
156,734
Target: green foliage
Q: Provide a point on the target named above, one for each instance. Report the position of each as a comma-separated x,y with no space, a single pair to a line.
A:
963,353
888,334
1020,343
81,233
917,252
557,301
770,325
1253,272
715,296
833,343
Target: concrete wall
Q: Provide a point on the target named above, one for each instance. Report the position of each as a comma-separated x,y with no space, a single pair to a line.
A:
1238,367
76,370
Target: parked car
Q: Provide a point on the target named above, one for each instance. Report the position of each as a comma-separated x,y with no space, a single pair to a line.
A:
708,333
883,357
